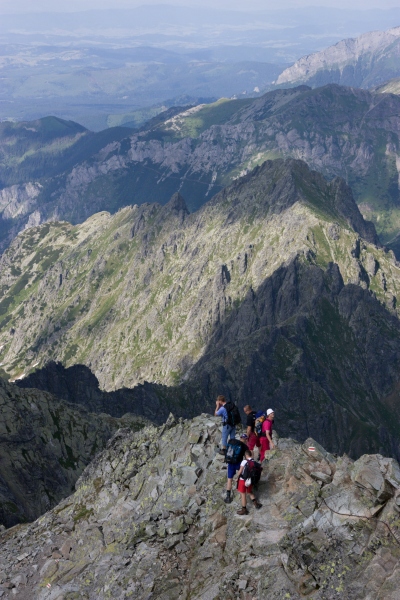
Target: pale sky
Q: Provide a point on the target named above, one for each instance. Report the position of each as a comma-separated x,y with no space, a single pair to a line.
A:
12,6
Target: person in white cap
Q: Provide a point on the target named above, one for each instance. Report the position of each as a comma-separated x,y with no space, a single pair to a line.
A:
266,434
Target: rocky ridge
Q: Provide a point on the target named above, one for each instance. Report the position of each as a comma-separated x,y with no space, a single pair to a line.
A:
128,295
148,520
45,446
365,61
336,130
267,294
78,385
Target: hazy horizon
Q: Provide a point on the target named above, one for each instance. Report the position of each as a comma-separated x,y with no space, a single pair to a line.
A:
25,6
122,61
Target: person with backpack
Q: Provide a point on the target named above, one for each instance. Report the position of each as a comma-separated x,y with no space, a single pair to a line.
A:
254,440
230,415
266,433
249,475
234,456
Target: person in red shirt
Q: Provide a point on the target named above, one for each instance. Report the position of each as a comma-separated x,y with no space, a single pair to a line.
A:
265,438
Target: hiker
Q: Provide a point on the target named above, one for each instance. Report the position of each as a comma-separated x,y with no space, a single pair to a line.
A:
234,456
254,440
265,438
229,413
249,469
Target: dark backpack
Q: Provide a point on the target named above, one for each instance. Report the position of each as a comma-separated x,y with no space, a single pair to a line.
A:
233,414
252,470
235,452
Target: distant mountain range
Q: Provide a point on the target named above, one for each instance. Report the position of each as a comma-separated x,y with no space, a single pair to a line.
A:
100,67
52,169
365,62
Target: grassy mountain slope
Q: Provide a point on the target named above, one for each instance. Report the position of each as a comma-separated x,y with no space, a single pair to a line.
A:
46,147
32,156
240,297
142,276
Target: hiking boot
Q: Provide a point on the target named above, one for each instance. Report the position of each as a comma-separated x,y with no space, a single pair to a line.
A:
243,511
222,451
228,498
256,503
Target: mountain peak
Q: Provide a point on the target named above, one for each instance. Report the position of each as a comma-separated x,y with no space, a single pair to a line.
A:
177,203
364,61
278,184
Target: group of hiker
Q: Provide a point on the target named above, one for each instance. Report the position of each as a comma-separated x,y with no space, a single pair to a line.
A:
239,453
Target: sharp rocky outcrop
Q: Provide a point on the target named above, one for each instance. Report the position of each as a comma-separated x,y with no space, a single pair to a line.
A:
45,444
148,520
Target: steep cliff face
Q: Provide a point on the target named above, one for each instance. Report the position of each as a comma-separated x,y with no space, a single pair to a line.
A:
266,294
364,62
336,130
45,445
148,519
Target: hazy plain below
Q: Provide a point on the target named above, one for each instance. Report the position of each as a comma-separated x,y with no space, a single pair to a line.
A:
116,67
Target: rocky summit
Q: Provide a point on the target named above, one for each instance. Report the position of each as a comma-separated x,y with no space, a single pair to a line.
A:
44,446
148,521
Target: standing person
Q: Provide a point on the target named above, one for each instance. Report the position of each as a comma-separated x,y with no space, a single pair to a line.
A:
242,488
250,423
234,456
228,429
266,435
